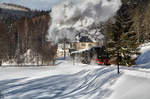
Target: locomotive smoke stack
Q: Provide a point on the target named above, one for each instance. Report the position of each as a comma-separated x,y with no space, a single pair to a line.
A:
75,16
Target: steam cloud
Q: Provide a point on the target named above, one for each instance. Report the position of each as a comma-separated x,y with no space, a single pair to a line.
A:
73,16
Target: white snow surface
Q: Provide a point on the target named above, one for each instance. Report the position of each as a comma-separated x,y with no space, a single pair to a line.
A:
143,60
79,81
10,7
64,81
34,4
132,86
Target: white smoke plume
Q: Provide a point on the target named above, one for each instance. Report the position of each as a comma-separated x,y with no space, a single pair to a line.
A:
74,16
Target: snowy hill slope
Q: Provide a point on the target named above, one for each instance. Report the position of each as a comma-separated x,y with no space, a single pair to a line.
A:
33,4
13,7
13,11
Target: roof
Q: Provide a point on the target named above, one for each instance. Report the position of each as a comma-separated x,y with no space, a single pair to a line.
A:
90,48
85,39
82,37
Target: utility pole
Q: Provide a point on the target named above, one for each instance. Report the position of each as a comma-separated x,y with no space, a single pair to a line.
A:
0,94
1,62
64,49
118,59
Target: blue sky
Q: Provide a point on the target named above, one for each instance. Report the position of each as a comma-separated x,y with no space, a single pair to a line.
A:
34,4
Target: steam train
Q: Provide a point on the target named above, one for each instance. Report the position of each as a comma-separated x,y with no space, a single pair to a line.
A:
98,55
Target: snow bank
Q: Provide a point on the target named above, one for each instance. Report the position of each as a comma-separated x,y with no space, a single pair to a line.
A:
144,47
132,86
144,59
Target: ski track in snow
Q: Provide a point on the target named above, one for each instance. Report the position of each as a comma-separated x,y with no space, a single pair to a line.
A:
85,84
82,82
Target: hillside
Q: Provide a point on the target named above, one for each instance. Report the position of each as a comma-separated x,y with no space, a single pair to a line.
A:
23,31
33,4
13,7
13,11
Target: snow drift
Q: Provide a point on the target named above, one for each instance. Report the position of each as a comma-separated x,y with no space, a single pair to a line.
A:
144,59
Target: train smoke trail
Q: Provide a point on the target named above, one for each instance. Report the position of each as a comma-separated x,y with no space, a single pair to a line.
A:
71,17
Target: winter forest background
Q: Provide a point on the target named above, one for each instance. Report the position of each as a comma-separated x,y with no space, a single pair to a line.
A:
23,37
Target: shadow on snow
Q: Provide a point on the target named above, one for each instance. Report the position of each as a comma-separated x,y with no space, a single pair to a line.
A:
88,84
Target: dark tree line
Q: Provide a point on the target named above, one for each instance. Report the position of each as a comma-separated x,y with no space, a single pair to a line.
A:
23,39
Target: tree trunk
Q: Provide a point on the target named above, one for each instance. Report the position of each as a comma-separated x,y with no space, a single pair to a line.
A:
0,62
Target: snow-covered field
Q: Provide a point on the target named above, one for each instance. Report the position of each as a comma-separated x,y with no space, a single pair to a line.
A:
68,81
65,81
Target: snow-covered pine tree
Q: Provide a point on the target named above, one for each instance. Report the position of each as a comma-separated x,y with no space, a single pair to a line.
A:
120,39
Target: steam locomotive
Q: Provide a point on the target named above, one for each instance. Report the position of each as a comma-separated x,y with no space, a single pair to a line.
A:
97,54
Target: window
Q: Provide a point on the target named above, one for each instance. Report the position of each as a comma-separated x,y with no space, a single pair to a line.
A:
83,45
89,45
